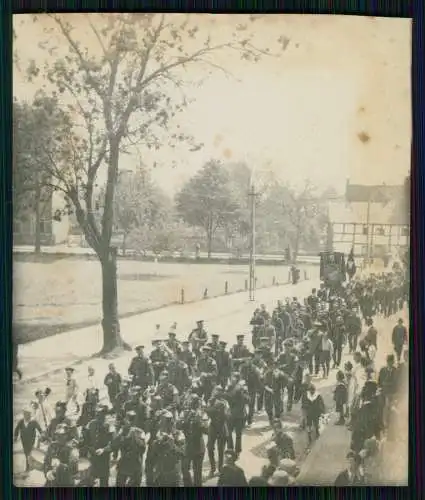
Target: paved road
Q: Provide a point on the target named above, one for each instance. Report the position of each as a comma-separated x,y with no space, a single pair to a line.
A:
226,316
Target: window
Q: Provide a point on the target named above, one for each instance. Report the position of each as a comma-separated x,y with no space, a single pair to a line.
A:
46,226
365,230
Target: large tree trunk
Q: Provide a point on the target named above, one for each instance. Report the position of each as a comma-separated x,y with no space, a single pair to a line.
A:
112,339
37,234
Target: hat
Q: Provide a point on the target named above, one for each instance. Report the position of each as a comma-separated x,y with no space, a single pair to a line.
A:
61,404
130,414
205,348
69,369
102,409
171,334
164,373
185,342
317,323
155,341
264,339
167,415
136,388
139,347
223,343
200,321
215,336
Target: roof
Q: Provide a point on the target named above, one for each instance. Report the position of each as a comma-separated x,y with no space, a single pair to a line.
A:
348,213
377,194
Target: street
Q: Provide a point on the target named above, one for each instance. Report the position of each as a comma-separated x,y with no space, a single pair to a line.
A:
43,361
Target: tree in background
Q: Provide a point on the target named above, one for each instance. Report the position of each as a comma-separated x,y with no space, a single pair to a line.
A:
37,134
305,211
207,201
139,204
117,88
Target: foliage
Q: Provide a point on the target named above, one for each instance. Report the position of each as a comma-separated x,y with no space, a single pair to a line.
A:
207,201
139,202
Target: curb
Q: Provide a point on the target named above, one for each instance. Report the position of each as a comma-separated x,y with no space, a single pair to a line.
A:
36,377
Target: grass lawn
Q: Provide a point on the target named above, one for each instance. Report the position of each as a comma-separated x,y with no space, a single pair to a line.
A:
58,295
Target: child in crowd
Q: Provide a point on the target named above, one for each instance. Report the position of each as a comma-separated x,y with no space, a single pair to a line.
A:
340,397
27,430
314,410
303,391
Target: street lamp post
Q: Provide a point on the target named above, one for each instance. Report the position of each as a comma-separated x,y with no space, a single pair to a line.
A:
252,195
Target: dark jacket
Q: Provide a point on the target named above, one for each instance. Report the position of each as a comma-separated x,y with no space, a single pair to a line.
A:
343,479
232,475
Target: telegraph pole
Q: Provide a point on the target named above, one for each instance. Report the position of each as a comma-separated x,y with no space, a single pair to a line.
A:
252,194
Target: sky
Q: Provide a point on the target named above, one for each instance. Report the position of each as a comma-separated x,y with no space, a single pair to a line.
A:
335,105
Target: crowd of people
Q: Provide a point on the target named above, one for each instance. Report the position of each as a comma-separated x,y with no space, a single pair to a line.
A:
153,424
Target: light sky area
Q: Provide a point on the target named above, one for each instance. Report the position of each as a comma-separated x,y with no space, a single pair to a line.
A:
299,115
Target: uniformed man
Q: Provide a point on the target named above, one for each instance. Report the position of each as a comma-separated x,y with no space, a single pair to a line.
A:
159,358
139,406
187,356
99,440
167,452
122,397
372,333
60,418
198,337
141,369
399,338
239,352
313,301
207,372
168,392
270,333
62,452
130,441
274,382
338,340
315,347
287,364
353,327
264,313
178,374
172,343
238,399
224,364
194,424
113,382
252,376
214,344
218,411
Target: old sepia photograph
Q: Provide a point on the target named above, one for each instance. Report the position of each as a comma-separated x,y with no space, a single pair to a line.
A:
211,237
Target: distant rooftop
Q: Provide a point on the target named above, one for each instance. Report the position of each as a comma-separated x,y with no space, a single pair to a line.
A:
377,194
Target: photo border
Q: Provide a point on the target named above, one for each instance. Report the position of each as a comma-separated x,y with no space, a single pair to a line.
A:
401,8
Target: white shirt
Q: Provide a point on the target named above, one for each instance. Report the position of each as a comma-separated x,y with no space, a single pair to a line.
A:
359,378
